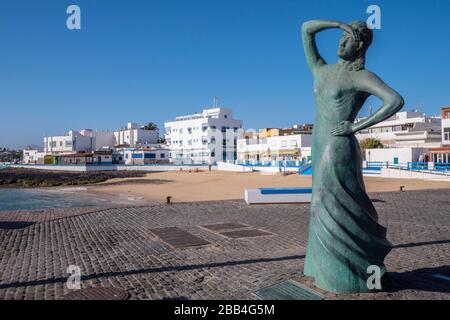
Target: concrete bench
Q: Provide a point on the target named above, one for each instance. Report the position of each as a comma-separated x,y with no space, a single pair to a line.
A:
278,195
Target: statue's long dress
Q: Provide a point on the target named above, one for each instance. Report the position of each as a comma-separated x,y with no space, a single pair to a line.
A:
344,235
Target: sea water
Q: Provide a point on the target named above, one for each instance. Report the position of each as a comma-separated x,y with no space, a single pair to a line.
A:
30,199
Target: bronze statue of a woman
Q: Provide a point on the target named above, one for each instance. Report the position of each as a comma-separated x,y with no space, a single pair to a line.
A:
344,235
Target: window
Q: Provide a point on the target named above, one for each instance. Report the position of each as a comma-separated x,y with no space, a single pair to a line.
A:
162,156
293,143
447,134
284,143
60,144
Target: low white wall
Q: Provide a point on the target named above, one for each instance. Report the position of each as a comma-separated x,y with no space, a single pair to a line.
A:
387,155
405,174
223,166
81,168
74,168
274,169
163,168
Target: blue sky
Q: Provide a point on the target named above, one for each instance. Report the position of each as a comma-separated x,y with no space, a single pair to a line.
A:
148,60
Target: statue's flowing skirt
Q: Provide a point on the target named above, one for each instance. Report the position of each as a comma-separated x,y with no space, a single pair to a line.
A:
344,235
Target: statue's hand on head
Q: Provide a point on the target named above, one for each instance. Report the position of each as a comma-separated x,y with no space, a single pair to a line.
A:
344,128
350,30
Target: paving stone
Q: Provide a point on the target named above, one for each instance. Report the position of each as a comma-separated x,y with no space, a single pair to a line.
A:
115,248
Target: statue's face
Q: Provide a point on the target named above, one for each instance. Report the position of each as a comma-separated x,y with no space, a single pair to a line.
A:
348,47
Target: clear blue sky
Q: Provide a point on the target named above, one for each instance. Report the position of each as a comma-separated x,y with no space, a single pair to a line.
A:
148,60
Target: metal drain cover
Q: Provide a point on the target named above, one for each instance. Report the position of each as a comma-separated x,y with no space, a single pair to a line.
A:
245,233
288,290
99,293
225,226
178,238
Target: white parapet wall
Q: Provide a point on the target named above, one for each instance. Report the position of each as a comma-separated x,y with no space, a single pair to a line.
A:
406,174
223,166
83,168
73,168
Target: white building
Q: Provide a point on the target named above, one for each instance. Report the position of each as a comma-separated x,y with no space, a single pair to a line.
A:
396,155
206,137
33,156
446,127
275,148
141,156
133,136
78,141
442,153
406,129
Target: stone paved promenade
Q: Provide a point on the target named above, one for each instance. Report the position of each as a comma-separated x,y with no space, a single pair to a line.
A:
115,248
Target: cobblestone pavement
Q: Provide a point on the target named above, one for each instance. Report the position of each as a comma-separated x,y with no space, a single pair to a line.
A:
115,248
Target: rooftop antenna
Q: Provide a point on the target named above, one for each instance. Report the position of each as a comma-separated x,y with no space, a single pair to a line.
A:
216,102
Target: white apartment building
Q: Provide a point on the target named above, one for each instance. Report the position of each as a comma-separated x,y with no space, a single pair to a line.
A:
275,148
442,153
33,156
132,136
406,129
446,126
206,137
78,141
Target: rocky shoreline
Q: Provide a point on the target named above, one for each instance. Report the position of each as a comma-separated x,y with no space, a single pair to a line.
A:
29,178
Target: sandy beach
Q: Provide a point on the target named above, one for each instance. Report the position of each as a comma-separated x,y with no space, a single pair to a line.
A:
215,185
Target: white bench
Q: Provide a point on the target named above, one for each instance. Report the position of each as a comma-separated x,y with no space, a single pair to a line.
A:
278,195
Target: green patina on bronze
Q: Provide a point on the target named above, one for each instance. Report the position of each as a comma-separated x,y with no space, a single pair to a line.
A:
344,234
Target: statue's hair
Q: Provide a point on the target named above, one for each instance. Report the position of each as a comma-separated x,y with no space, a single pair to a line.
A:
366,36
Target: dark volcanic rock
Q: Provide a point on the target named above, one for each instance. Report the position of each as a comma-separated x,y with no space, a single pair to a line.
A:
29,178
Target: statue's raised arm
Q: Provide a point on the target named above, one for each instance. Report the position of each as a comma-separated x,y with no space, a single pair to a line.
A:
309,30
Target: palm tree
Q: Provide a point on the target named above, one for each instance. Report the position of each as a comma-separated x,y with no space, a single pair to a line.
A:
371,143
150,126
